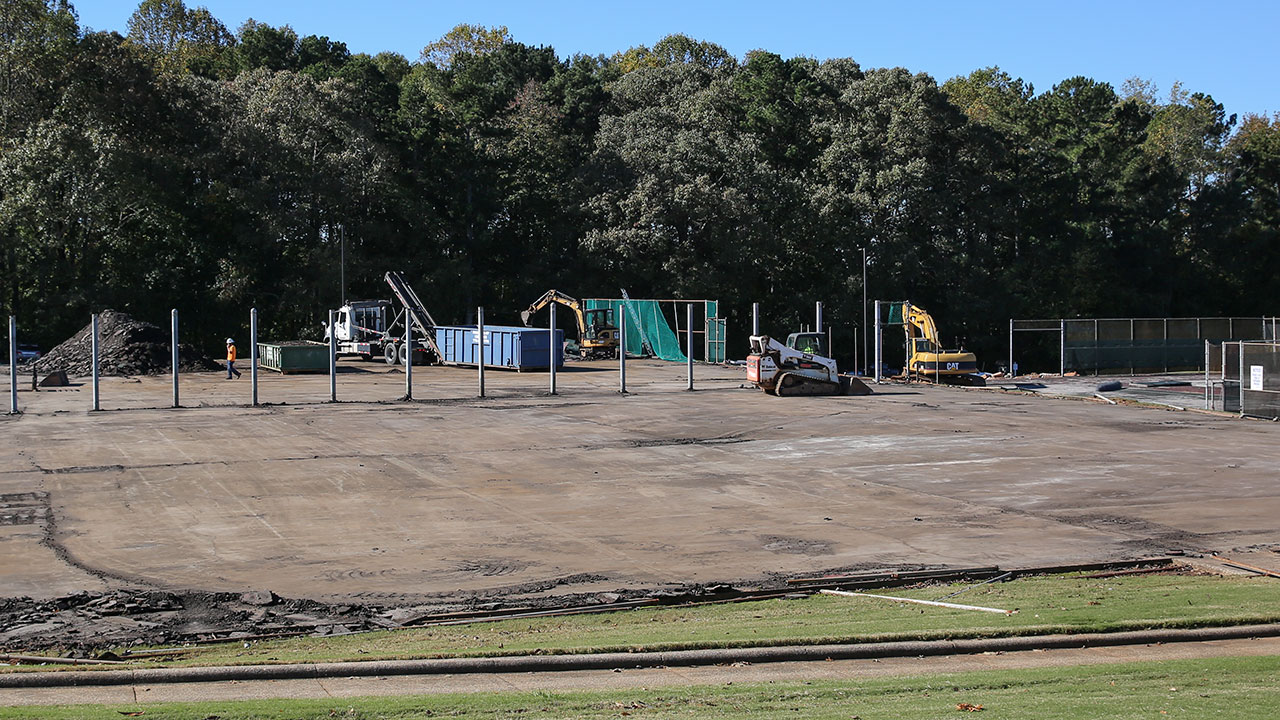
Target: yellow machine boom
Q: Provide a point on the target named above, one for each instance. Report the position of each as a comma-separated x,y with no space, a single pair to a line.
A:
926,355
597,335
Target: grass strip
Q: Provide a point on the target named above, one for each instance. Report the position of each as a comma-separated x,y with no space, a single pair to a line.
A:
1045,605
1222,688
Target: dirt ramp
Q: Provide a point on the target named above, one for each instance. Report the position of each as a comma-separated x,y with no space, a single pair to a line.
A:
127,346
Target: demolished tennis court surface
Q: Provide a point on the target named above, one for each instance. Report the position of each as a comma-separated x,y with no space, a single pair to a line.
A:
524,499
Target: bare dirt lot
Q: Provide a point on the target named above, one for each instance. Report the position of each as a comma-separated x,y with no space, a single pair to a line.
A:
371,509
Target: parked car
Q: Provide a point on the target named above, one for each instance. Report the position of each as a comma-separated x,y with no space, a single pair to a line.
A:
28,354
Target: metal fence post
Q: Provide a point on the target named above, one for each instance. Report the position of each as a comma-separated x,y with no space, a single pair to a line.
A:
93,352
333,359
253,356
878,350
1206,374
1011,372
688,329
1241,376
552,349
173,320
857,368
622,353
1062,347
817,316
13,365
480,347
408,365
755,318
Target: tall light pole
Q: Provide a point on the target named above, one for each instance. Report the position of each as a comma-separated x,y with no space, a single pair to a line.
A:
864,305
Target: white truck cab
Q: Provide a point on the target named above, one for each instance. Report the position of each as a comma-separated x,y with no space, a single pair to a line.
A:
360,328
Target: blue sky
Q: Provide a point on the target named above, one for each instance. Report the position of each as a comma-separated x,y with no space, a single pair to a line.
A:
1228,50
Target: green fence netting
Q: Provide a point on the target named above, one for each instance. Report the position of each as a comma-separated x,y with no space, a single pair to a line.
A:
891,313
648,332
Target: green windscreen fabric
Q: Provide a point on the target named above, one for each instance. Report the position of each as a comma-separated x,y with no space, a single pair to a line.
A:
894,314
648,332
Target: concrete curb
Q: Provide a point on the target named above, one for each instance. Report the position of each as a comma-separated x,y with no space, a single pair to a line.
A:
607,661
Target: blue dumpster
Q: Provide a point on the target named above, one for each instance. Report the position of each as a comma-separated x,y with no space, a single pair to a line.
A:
505,346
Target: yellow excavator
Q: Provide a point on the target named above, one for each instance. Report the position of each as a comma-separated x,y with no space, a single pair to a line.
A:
927,358
597,335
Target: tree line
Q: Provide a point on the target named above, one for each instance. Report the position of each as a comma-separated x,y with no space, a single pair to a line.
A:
185,165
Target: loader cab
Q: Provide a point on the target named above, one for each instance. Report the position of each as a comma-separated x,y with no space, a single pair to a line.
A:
812,343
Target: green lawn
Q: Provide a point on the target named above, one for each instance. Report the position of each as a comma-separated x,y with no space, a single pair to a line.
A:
1046,604
1221,688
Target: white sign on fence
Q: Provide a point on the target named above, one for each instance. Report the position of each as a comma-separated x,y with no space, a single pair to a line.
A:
1255,377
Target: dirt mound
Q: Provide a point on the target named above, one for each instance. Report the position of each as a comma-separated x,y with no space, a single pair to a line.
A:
126,346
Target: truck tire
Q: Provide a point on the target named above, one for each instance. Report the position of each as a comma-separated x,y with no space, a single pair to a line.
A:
391,353
406,354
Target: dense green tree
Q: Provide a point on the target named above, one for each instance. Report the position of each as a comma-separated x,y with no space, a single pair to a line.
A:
474,40
262,46
180,39
183,166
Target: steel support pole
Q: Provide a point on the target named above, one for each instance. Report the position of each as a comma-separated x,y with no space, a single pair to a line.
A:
688,329
1240,356
173,332
622,353
93,352
755,318
480,348
817,316
1165,350
1011,372
857,369
553,350
1062,348
408,365
333,359
876,360
253,356
13,365
1132,369
864,305
1206,373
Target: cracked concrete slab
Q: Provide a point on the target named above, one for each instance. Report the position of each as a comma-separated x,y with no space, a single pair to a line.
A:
523,494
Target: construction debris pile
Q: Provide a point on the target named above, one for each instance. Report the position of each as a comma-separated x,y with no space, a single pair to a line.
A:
126,346
122,618
85,621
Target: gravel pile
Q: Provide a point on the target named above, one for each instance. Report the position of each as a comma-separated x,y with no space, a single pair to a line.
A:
126,346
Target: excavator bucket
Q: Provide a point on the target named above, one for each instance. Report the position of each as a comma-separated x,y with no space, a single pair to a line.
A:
524,317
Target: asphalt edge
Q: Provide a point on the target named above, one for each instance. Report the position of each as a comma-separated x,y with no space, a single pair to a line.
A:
609,661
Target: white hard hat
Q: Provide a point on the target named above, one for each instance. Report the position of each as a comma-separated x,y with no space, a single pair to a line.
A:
230,341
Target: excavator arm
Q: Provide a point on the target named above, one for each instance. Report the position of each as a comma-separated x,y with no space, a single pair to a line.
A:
919,325
555,296
926,355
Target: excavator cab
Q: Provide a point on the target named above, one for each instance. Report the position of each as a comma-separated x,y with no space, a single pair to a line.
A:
598,320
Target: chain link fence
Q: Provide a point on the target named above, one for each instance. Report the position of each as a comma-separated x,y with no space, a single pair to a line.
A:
1128,345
